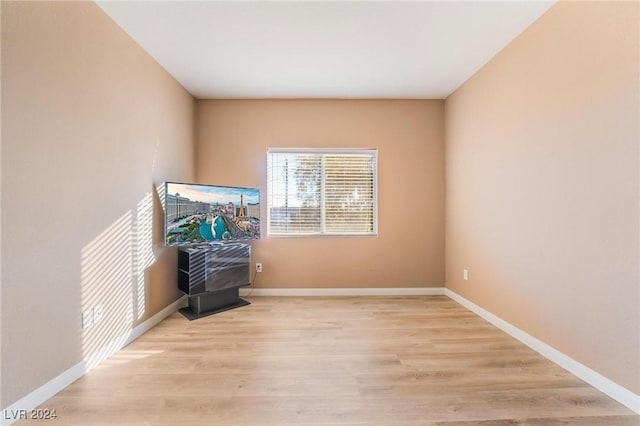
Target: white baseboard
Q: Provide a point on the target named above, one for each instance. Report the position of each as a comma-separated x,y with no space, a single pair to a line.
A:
402,291
595,379
24,405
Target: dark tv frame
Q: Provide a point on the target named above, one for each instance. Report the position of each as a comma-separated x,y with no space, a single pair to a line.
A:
193,243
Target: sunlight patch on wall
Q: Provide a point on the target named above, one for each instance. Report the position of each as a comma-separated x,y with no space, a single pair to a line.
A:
143,252
160,190
107,281
113,293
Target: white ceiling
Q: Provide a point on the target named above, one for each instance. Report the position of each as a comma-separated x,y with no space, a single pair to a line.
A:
307,49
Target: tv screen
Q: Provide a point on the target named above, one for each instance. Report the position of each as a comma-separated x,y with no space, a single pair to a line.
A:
206,213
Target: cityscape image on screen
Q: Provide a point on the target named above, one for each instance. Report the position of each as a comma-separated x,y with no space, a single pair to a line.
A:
202,213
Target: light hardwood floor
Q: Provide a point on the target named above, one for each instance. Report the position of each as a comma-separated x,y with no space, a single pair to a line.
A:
415,360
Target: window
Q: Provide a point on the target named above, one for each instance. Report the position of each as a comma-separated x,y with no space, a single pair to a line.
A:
322,192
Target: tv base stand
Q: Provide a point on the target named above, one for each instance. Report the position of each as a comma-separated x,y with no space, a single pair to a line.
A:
211,275
206,304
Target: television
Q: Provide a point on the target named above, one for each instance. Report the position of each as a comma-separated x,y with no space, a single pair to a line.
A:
196,213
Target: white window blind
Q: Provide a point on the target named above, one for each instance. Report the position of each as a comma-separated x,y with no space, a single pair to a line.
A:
321,192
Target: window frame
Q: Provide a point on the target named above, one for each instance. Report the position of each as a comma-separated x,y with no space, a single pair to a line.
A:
324,151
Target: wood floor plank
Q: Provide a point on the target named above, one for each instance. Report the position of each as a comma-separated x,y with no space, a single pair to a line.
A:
387,360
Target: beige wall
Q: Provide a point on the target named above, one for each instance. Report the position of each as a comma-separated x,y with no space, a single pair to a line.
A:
232,140
90,124
542,185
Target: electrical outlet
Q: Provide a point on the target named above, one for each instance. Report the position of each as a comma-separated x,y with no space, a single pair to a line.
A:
258,267
87,319
98,313
465,274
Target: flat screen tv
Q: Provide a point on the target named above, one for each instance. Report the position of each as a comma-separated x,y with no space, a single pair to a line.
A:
197,213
